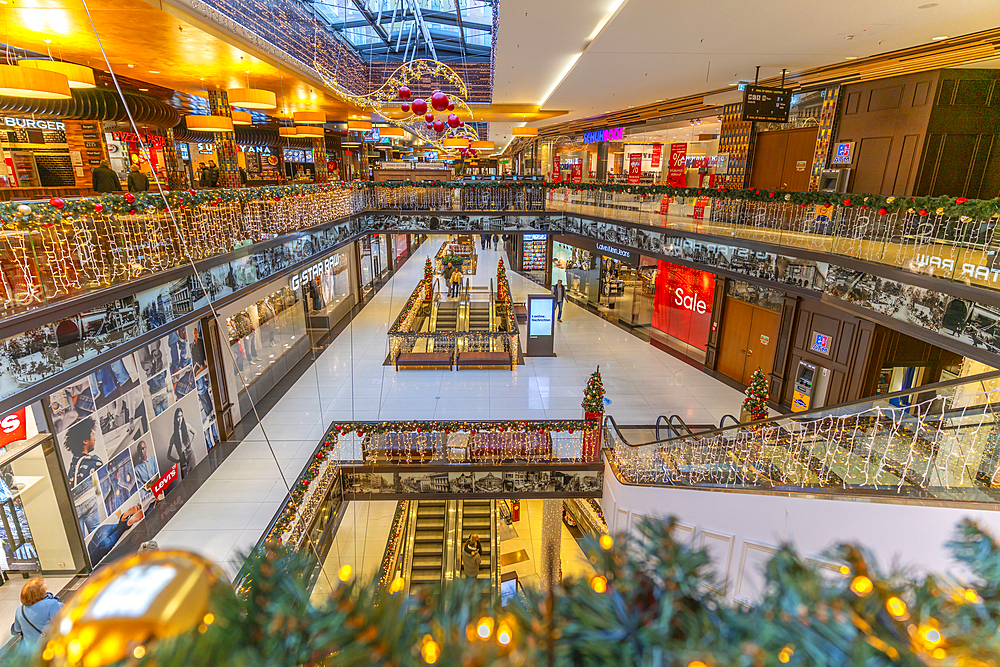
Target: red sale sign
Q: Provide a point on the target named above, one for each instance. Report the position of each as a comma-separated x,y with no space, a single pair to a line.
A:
677,167
576,173
682,303
634,167
162,485
14,427
657,155
556,174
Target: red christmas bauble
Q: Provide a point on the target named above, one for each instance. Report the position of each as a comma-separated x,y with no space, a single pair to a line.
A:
419,107
461,123
452,120
922,211
439,126
56,202
404,93
771,195
961,200
847,202
405,107
439,101
129,197
429,116
191,192
451,106
132,212
430,126
98,208
882,211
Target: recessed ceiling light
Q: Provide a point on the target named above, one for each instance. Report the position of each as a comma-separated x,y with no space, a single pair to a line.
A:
153,71
131,66
47,41
850,58
145,90
939,38
734,83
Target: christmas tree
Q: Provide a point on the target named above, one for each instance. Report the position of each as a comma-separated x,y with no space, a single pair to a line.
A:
428,280
593,393
503,289
756,401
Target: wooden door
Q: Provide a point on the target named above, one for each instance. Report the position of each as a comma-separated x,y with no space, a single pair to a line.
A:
768,160
761,343
733,339
799,159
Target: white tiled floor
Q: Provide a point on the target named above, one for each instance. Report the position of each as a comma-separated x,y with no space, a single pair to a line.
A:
348,381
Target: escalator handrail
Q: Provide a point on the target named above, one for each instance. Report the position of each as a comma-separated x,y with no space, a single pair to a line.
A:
816,413
722,422
679,429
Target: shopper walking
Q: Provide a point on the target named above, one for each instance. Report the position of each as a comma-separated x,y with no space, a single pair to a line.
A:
482,241
455,282
202,175
213,174
558,296
472,557
137,181
448,270
36,610
496,242
104,179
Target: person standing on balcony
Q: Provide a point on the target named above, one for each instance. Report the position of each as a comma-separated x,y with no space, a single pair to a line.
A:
558,296
104,179
137,181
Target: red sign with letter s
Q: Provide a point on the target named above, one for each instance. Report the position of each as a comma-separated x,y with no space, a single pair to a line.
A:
682,303
14,427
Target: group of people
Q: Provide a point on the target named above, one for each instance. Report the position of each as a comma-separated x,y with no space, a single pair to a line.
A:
208,175
489,241
453,278
104,179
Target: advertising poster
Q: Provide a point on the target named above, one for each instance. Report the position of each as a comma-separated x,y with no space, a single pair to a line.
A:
178,435
677,168
14,427
682,304
576,173
556,174
657,156
634,167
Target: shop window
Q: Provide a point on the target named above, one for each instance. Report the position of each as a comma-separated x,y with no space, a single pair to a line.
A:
755,295
263,331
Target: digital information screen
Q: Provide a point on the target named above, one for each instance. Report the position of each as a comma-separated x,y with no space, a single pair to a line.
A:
765,103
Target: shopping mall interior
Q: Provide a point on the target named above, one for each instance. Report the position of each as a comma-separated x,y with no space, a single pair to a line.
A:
372,332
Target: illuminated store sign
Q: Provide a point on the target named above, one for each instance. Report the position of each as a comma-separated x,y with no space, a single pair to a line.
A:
33,124
614,134
613,251
304,276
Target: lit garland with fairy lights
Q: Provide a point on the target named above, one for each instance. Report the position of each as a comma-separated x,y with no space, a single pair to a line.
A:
388,566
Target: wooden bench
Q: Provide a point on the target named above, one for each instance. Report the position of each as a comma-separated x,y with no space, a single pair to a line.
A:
420,361
521,312
484,360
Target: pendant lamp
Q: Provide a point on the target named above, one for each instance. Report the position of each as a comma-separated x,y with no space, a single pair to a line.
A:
359,125
309,117
252,98
288,131
390,131
209,123
78,75
483,145
456,142
525,131
33,83
312,132
241,117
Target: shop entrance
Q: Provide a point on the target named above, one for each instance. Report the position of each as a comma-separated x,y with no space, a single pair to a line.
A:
782,160
749,336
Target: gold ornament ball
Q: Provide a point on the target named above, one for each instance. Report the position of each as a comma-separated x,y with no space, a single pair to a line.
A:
940,211
131,603
889,200
788,197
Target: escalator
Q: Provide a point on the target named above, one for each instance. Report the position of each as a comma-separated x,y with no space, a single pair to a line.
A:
425,558
479,316
447,316
478,517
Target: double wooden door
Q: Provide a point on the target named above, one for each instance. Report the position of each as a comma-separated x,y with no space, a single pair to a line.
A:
749,336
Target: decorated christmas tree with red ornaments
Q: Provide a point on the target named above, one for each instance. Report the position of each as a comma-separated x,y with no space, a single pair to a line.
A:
756,401
428,280
593,393
503,289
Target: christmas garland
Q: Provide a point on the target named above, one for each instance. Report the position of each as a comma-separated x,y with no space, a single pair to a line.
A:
388,558
19,215
362,429
298,492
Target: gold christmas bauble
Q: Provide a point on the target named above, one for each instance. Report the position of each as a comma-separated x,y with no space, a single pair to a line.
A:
889,200
133,602
940,211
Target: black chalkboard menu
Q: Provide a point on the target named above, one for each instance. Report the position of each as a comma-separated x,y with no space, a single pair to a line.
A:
764,103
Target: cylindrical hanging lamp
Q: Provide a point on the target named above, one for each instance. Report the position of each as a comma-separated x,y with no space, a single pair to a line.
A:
242,117
309,117
252,98
483,145
456,142
288,131
313,132
209,123
33,83
78,75
390,131
525,131
359,125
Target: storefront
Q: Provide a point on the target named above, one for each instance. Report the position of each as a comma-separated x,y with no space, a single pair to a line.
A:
262,165
751,320
373,253
39,153
328,290
577,268
299,165
125,149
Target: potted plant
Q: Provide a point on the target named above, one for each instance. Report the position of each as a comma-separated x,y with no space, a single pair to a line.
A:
593,410
755,404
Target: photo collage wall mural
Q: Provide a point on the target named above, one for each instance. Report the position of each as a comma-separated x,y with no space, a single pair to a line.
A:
144,418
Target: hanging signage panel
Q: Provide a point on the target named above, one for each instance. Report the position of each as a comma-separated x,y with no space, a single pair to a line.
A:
634,167
766,103
556,174
657,156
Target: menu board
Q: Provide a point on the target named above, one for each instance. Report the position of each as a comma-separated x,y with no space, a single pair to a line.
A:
765,103
533,252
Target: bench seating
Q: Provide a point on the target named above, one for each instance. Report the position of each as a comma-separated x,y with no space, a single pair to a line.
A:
485,360
521,312
415,361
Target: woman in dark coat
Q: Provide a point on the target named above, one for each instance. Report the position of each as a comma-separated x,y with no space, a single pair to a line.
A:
472,557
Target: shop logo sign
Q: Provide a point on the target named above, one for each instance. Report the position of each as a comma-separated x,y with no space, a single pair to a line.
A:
324,266
613,134
161,485
691,302
613,251
33,124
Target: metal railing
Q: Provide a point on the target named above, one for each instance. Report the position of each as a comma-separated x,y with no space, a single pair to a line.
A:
938,441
